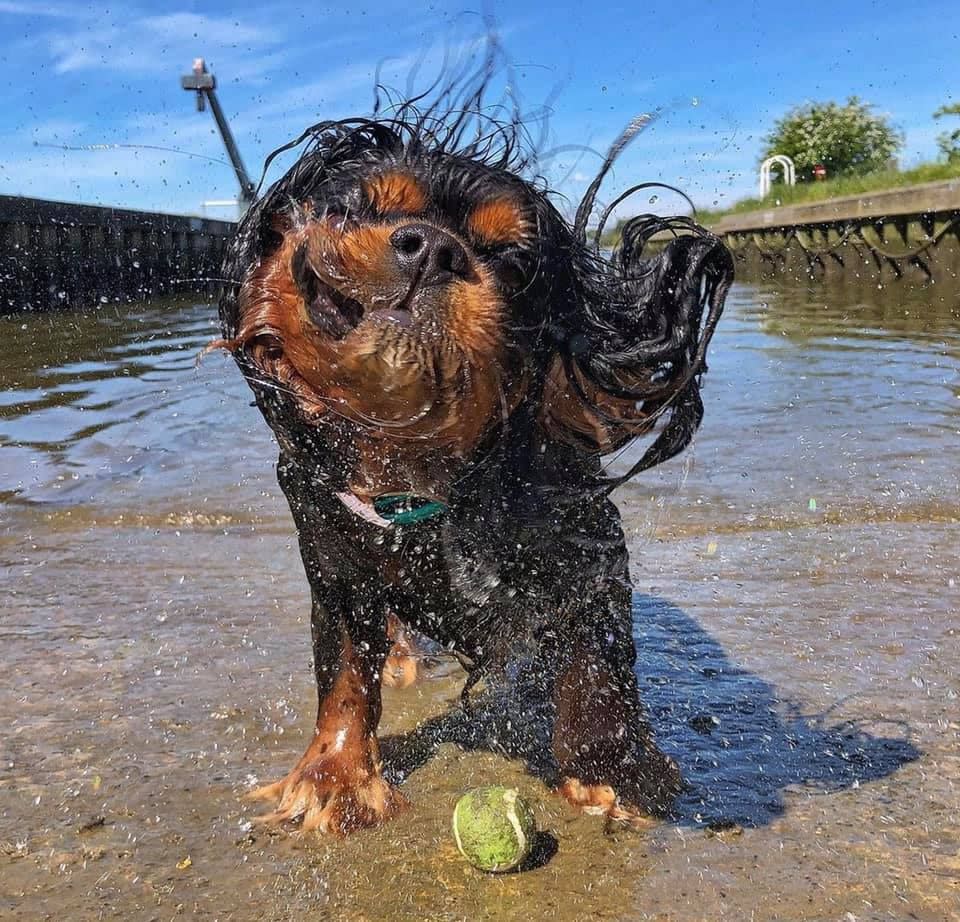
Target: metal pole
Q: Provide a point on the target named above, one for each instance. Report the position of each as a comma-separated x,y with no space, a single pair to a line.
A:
204,84
246,185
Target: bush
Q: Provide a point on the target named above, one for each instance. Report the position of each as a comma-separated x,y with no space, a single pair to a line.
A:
949,141
849,140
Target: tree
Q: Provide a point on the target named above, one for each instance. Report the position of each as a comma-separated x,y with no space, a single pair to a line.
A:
949,141
847,139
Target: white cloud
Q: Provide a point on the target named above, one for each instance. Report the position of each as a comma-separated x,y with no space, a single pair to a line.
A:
146,45
54,10
178,27
150,180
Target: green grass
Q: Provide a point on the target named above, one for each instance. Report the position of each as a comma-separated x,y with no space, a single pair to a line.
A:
836,188
818,191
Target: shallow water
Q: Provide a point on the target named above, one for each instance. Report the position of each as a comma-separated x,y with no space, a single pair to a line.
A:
797,593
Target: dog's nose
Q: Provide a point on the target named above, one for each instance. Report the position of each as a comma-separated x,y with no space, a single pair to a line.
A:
429,254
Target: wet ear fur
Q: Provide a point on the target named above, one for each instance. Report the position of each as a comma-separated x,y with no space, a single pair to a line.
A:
577,411
632,356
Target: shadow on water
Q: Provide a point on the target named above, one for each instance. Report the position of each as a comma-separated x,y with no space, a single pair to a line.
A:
739,746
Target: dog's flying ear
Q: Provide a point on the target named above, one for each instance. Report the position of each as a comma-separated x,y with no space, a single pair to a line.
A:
631,358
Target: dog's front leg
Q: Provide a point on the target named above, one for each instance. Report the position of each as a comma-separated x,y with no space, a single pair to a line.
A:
603,745
337,786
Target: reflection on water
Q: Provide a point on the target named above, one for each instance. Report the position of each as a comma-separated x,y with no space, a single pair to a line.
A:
850,397
796,625
111,408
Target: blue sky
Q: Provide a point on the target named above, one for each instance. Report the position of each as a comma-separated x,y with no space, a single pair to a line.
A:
79,74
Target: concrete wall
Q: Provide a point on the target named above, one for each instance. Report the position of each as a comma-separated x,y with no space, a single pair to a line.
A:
57,254
924,198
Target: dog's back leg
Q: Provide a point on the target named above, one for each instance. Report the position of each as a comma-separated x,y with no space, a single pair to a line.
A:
608,762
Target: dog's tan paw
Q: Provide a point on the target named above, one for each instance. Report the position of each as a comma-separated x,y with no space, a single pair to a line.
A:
603,800
322,803
401,669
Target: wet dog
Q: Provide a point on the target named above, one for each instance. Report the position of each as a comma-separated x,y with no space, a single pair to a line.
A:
444,360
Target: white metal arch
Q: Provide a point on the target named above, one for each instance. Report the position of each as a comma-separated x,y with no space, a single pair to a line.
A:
785,163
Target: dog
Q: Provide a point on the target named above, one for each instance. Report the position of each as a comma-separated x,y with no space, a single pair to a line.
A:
445,360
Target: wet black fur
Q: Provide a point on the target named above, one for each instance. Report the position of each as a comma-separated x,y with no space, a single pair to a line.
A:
529,562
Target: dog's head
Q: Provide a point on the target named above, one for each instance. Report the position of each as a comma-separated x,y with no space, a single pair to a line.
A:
410,294
400,287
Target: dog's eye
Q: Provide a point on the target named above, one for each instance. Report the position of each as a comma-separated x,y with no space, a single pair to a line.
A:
340,218
509,263
511,276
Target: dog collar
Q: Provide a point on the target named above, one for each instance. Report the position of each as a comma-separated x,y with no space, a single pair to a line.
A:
392,509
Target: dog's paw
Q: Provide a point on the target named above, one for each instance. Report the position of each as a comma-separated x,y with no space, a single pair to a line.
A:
323,802
638,796
602,800
402,668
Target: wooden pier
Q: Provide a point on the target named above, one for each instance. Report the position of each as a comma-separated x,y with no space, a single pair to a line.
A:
893,233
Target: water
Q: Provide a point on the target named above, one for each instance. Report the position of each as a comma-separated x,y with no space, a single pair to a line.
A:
797,577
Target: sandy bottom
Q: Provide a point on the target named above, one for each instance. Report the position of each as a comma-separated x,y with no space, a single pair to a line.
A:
821,750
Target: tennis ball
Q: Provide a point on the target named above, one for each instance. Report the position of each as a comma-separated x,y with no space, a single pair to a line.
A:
494,828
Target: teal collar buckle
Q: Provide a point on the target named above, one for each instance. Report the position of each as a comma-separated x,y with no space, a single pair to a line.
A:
406,509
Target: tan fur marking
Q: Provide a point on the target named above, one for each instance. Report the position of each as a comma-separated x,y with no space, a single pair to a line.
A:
273,325
498,221
401,669
364,255
394,192
604,421
476,318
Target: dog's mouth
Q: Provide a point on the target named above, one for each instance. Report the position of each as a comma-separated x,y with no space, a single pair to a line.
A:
336,314
331,311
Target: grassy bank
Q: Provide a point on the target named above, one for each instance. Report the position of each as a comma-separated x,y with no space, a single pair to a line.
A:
834,188
818,191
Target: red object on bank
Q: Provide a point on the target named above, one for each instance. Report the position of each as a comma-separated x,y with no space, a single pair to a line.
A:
819,172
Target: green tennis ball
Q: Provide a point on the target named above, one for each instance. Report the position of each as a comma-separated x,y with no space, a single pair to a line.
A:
494,828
